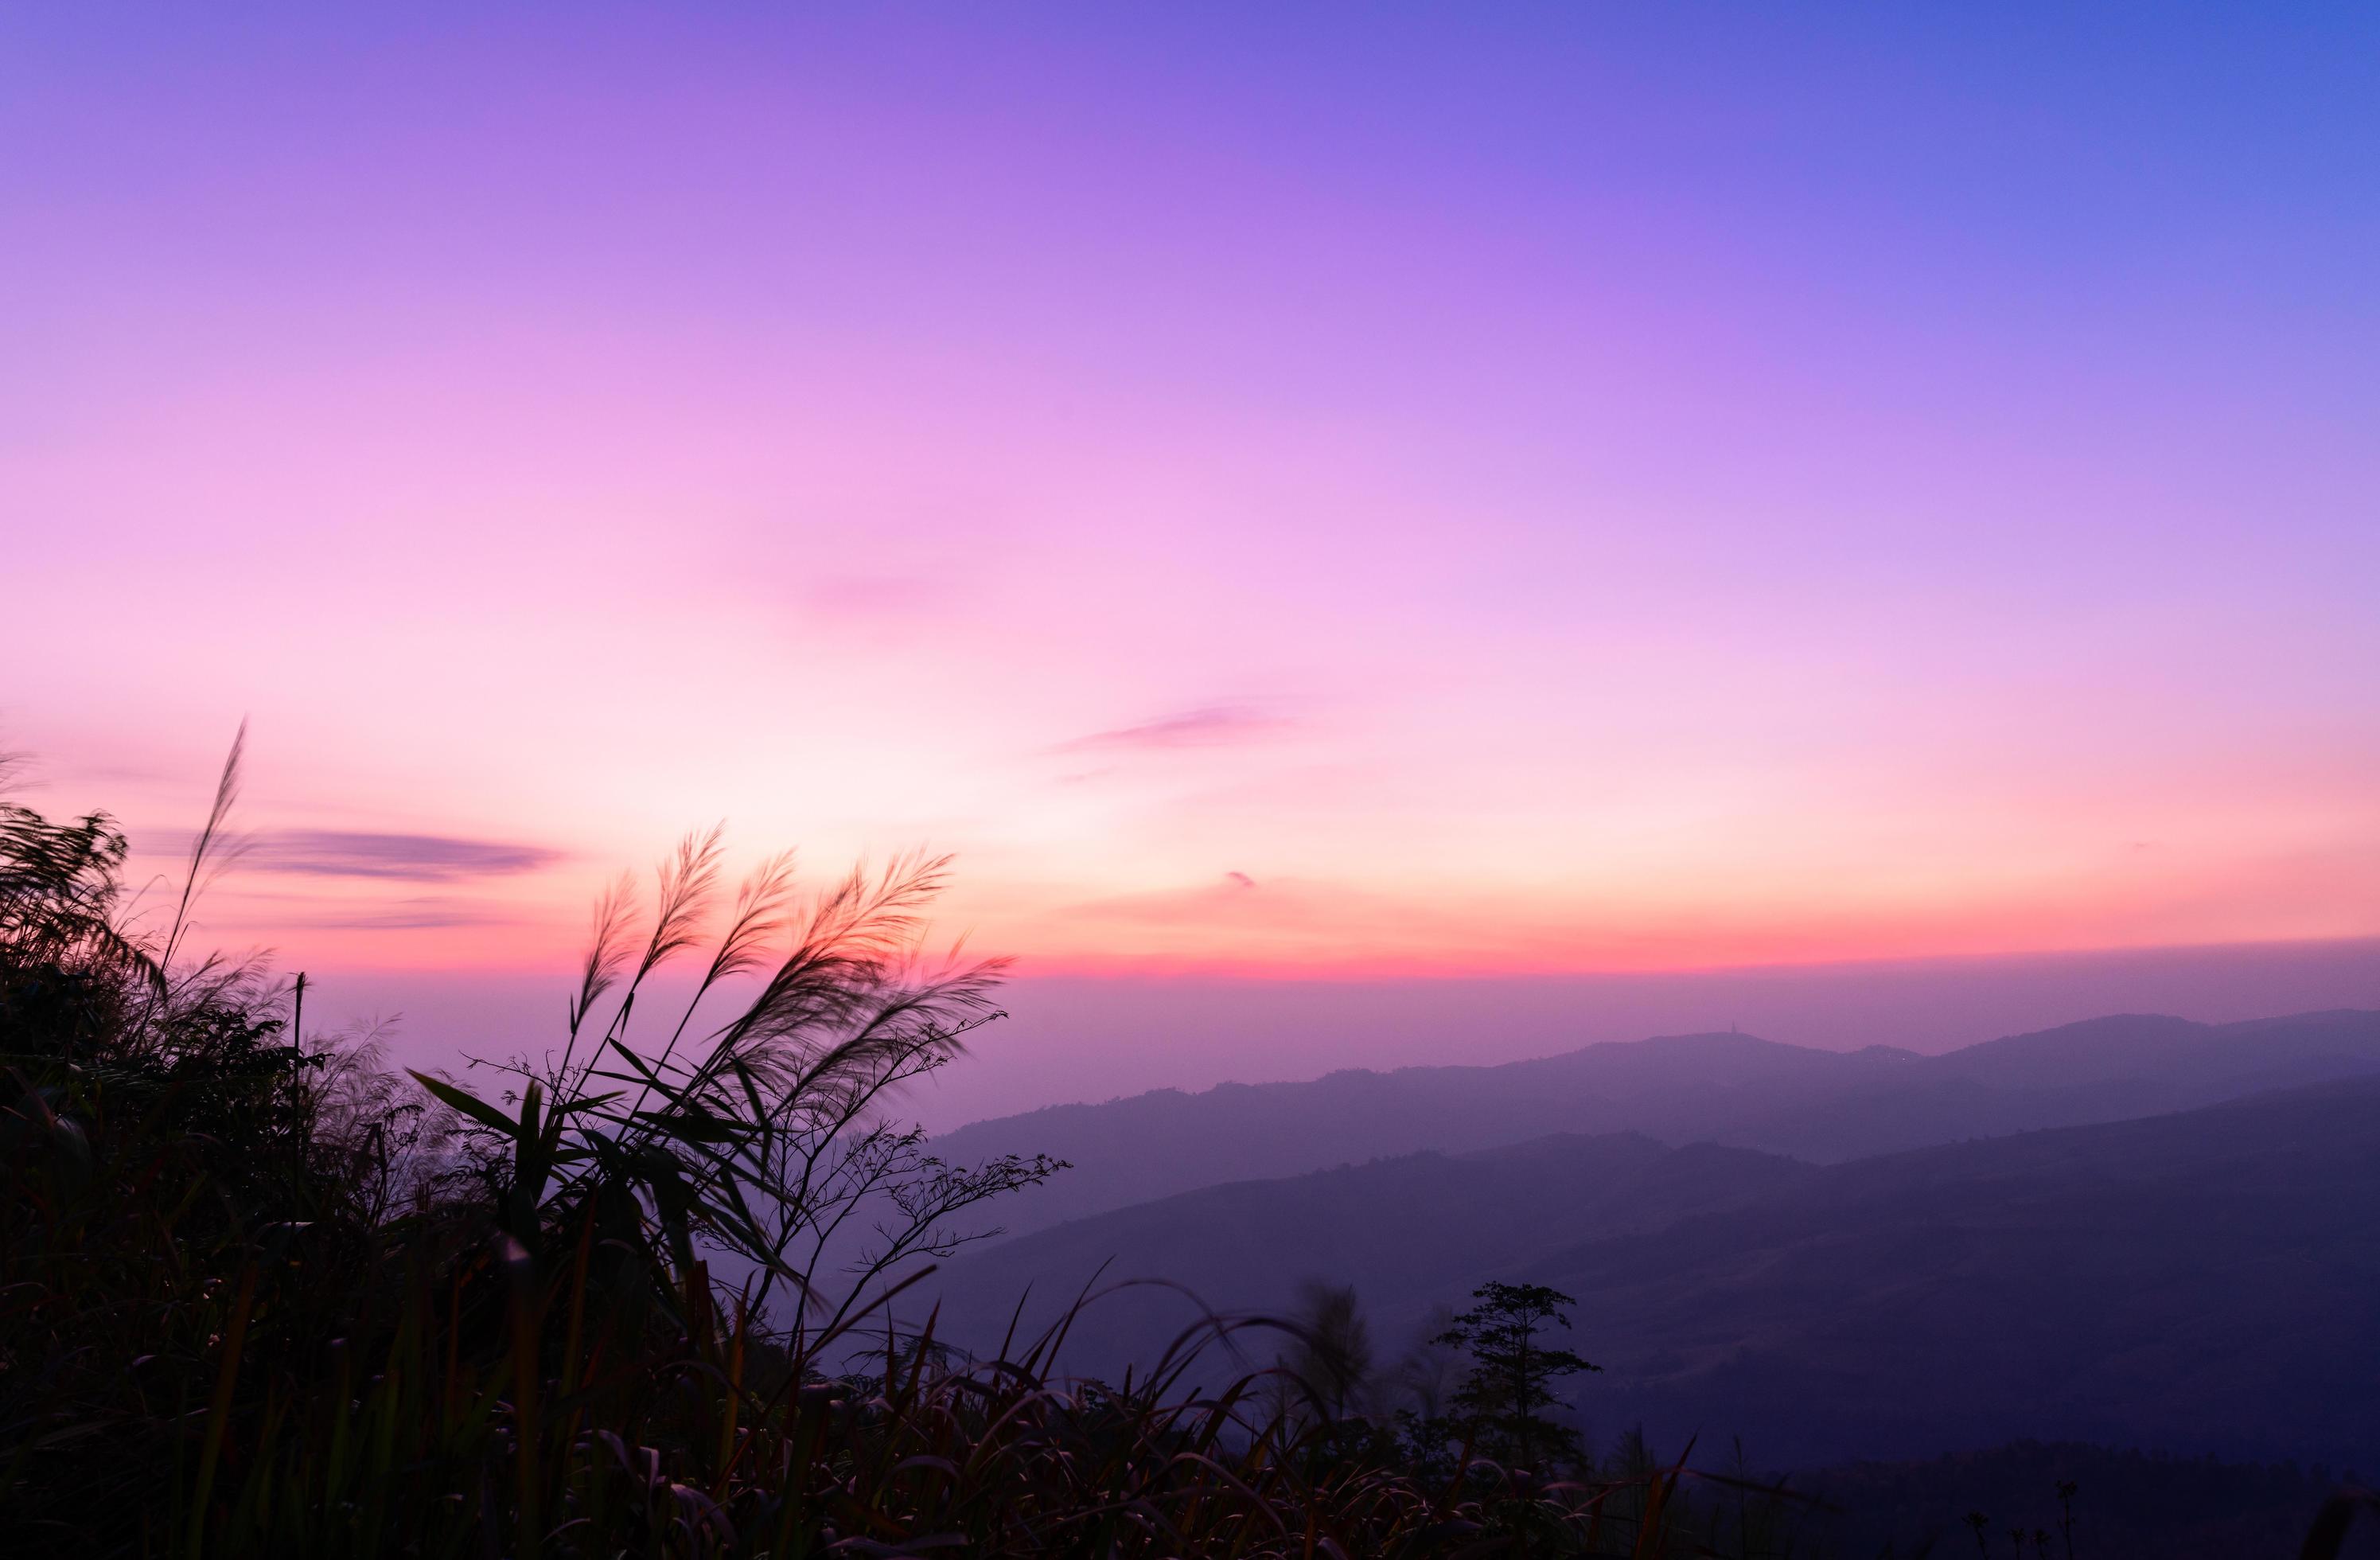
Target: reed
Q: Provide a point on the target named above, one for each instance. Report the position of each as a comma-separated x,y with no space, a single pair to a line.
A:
260,1296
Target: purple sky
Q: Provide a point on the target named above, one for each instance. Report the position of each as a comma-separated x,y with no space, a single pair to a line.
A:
1349,494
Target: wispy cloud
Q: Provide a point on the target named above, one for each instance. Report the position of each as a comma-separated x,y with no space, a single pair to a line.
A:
412,857
403,915
1210,725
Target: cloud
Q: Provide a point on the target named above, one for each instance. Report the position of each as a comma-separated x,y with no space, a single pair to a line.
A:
1210,725
405,915
1240,880
412,857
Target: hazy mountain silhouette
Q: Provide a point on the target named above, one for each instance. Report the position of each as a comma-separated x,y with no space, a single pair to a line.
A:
2202,1282
1406,1231
1731,1089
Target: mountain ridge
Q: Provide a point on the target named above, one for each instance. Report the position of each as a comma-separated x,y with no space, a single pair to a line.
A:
1800,1101
2194,1280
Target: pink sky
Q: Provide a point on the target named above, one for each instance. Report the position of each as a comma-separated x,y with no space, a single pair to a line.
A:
1448,496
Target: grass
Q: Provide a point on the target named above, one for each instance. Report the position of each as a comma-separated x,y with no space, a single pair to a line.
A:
261,1296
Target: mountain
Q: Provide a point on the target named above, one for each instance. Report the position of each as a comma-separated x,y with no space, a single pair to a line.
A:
1736,1089
2102,1069
2201,1283
1406,1231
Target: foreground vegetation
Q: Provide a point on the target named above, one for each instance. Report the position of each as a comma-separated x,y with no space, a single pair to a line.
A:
2049,1500
260,1296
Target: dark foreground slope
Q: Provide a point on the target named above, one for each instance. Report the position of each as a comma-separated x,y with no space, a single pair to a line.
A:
1820,1106
2200,1283
2125,1505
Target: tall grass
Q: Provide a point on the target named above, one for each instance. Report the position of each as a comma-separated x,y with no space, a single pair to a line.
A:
258,1297
261,1298
557,1435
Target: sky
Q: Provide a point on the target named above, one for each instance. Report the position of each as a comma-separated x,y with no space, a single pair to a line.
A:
1289,496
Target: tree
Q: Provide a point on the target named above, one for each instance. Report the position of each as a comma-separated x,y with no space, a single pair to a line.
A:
1425,1376
1330,1353
1500,1405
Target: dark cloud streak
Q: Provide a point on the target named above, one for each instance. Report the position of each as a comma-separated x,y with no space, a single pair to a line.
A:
404,915
409,857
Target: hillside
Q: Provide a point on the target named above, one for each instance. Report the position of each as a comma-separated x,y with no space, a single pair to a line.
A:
1405,1231
2199,1283
1820,1105
2127,1504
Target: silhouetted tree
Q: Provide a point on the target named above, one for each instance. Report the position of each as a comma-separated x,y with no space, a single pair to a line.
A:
1329,1354
1500,1405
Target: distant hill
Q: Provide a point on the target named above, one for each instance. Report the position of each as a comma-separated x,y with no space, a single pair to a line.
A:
2199,1283
1730,1089
1406,1231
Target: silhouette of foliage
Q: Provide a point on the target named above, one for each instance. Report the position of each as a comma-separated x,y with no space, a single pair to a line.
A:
1501,1404
260,1295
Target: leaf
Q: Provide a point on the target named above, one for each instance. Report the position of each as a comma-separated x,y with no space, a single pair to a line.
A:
470,1105
644,1072
751,1088
693,1128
